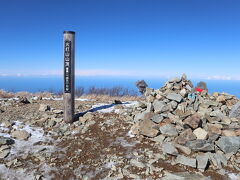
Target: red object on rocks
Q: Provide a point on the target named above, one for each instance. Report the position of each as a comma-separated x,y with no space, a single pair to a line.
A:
199,90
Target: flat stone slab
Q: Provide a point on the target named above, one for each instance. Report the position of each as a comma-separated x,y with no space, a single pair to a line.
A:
186,161
175,97
184,176
229,144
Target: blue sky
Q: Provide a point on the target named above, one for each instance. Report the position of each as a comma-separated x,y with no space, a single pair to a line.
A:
145,38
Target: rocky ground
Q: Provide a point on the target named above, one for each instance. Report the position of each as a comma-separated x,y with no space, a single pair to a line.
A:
132,140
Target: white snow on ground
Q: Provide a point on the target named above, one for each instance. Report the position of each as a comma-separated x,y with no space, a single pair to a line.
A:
16,174
233,176
107,108
28,146
130,134
37,135
21,147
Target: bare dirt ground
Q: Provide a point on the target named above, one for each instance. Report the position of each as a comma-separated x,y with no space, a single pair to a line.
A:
97,146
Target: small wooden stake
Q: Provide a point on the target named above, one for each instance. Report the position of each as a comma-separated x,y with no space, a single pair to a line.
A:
69,76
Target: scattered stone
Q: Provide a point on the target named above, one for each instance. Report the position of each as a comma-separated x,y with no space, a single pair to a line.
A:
159,139
200,133
25,100
228,133
183,149
20,134
44,107
57,111
157,118
168,130
6,141
141,85
193,121
117,101
168,148
184,176
202,161
186,161
4,153
235,112
159,106
185,136
229,144
214,128
136,163
175,97
200,145
148,128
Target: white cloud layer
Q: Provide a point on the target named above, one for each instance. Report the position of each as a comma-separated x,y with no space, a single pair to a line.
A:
126,73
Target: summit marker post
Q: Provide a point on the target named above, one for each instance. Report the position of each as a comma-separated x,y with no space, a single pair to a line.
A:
69,76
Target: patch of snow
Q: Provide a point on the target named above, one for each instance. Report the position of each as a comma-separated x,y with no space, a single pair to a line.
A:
130,103
130,134
124,142
81,99
20,173
2,128
233,176
57,99
45,98
28,146
109,164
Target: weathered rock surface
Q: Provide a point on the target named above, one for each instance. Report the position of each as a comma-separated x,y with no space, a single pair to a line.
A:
186,161
44,107
168,148
235,112
229,144
20,134
148,128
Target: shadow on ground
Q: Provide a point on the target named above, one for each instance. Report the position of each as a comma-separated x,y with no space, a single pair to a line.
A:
106,106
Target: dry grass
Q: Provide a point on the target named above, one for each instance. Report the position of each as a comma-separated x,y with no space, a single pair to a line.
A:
5,94
106,98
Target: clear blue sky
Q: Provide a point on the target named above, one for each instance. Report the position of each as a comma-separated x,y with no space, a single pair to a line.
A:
122,37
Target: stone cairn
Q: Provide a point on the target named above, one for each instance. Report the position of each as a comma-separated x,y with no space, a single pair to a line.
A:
194,128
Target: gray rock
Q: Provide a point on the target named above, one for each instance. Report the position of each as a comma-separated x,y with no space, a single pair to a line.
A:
6,141
168,148
173,104
202,161
235,111
183,149
21,134
25,100
175,97
186,161
159,139
58,111
175,80
44,107
168,130
149,107
147,128
4,153
229,144
141,85
160,106
184,176
136,163
200,145
157,118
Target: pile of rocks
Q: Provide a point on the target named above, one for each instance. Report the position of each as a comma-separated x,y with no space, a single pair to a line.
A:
193,127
